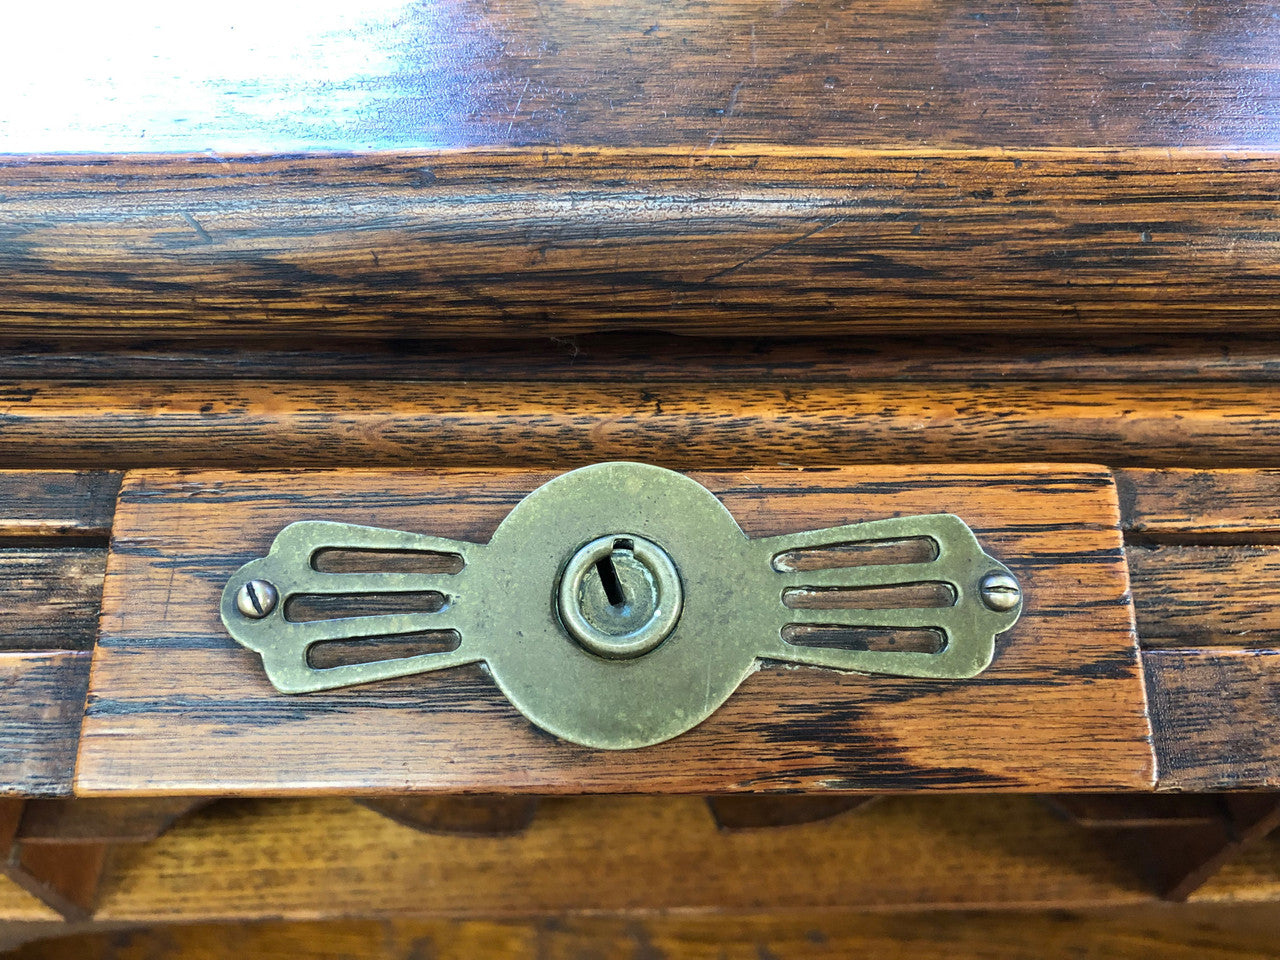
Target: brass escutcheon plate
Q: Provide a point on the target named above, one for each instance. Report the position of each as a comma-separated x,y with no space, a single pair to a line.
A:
620,604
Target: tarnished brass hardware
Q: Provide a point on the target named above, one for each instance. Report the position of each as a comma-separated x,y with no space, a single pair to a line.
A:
619,605
620,596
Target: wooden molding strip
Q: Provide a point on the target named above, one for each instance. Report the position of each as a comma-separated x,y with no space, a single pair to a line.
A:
675,424
536,242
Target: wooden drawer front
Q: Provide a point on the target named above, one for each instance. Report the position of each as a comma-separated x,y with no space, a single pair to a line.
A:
175,705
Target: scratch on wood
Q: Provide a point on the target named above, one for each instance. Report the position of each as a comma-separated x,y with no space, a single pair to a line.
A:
194,224
827,225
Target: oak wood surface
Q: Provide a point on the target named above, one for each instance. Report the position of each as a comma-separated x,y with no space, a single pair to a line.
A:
58,849
1228,932
41,703
696,74
806,181
732,241
1216,717
306,859
49,598
1188,596
1200,557
56,506
1165,504
177,706
1251,876
1176,505
667,421
329,857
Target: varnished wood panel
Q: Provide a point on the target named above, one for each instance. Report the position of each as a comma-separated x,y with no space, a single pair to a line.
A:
1173,505
1237,932
462,73
177,706
671,422
1188,596
1216,717
56,505
49,598
41,703
535,242
329,857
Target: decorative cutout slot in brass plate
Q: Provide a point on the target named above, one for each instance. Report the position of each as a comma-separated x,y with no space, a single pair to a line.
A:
619,605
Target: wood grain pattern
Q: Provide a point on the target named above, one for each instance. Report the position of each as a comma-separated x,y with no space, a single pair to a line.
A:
49,598
57,505
621,356
669,422
1172,505
1061,704
1206,596
1216,717
329,857
537,242
41,703
1131,933
394,76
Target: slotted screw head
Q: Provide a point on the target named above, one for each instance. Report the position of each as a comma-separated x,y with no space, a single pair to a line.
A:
256,599
1000,591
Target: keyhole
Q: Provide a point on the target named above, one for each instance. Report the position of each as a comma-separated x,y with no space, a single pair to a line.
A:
608,575
619,596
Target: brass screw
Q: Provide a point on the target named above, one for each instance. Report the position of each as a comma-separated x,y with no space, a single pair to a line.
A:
256,599
1000,591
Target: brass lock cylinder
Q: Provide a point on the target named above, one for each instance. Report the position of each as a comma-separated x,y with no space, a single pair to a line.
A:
620,596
